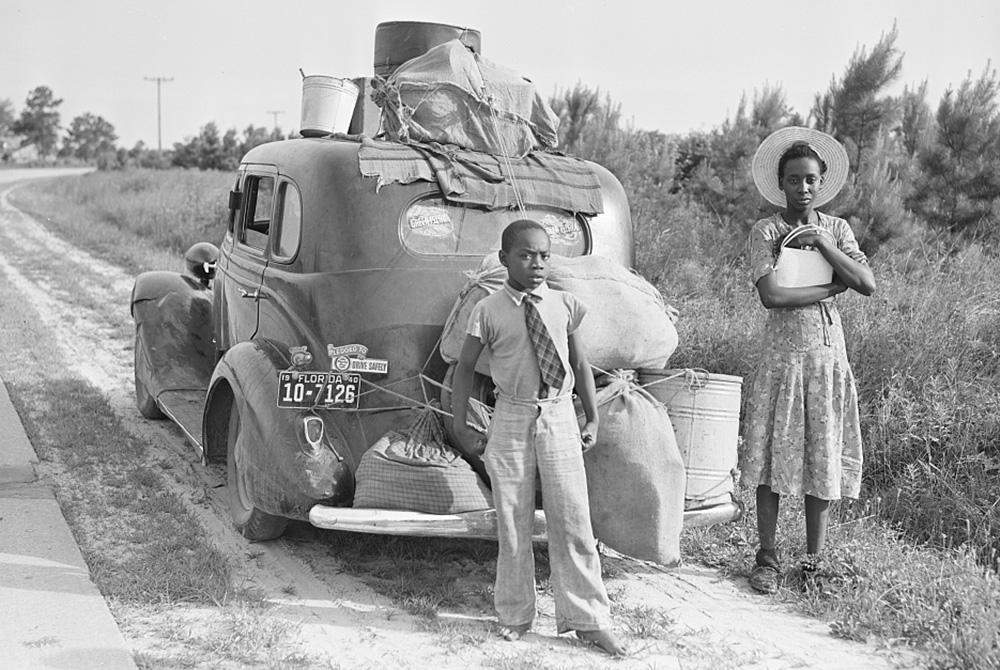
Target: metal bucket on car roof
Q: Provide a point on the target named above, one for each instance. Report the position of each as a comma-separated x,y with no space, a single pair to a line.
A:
704,409
327,105
398,41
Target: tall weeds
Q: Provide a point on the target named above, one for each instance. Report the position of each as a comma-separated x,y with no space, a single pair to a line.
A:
135,218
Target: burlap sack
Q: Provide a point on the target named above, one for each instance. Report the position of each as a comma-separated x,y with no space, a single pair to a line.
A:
487,279
627,325
635,476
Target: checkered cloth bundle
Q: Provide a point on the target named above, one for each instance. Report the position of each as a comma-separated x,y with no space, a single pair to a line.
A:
415,469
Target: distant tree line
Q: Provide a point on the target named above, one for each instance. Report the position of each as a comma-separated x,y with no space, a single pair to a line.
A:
91,139
909,165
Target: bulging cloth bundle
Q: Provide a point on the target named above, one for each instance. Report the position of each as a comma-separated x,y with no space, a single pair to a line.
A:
451,95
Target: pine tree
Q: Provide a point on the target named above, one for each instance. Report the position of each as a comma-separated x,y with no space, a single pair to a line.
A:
6,116
959,185
915,119
855,110
39,120
717,173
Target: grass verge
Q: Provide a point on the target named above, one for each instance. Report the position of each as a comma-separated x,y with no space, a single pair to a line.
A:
148,555
874,586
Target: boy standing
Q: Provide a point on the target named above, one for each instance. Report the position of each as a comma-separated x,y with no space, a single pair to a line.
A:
536,357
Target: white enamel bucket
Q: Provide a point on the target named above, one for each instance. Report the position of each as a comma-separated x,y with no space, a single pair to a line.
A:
327,105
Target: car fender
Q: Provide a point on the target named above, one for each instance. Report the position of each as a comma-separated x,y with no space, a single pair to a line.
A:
286,474
175,347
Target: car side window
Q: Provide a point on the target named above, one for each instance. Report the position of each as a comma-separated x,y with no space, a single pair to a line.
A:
289,222
234,205
257,218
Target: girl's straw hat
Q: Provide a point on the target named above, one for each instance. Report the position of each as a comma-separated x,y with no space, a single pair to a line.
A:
765,163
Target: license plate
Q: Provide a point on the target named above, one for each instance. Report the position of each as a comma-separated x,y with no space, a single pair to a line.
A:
322,389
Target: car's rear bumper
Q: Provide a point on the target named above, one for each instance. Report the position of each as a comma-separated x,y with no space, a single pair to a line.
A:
481,524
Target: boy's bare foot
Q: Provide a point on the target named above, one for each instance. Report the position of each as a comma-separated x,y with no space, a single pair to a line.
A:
605,639
514,633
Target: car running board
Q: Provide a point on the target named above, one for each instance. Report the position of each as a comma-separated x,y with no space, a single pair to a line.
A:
186,408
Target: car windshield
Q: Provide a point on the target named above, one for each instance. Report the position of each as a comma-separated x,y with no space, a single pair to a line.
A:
435,227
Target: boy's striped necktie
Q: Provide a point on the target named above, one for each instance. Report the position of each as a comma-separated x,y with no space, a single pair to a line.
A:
549,364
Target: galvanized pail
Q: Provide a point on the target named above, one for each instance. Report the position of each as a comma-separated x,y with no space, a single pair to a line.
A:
327,105
705,411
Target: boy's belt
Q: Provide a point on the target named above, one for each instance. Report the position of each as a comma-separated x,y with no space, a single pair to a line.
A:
530,402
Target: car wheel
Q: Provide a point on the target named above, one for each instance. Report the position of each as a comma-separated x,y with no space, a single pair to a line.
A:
143,400
253,524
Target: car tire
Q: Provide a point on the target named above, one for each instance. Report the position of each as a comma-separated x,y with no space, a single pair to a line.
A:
482,390
143,400
253,524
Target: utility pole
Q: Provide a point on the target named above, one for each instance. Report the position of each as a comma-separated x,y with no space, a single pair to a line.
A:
275,115
159,125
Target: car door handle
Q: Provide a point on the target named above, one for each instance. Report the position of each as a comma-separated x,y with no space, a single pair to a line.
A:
256,295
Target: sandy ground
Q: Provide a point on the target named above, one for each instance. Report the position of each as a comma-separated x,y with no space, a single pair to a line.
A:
341,623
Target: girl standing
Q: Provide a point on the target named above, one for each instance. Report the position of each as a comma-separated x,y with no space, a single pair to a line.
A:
803,430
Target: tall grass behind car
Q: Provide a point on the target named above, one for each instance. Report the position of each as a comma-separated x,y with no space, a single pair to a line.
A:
141,219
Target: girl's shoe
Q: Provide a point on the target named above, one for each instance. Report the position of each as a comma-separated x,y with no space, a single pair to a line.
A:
811,563
816,577
764,577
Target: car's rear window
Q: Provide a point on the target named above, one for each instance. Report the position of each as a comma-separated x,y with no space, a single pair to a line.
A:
435,227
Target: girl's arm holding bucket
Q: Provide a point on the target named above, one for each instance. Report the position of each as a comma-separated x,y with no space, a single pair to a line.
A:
773,296
761,246
854,274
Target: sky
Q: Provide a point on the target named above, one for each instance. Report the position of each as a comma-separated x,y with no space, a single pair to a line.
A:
672,66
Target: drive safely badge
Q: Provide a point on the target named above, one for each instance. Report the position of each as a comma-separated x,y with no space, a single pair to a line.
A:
353,358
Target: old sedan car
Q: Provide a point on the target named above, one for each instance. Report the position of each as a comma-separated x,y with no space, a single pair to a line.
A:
316,329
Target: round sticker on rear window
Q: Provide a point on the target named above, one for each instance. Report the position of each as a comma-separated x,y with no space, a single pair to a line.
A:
561,229
429,221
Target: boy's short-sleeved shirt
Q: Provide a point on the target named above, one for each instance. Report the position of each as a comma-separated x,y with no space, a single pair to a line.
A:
498,322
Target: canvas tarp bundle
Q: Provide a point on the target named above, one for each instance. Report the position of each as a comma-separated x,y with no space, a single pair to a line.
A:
454,96
626,326
487,279
415,469
472,178
635,475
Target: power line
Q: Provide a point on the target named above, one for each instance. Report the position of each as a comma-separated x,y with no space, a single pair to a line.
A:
159,125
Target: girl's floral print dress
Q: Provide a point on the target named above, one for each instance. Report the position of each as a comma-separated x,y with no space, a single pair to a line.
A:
803,432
